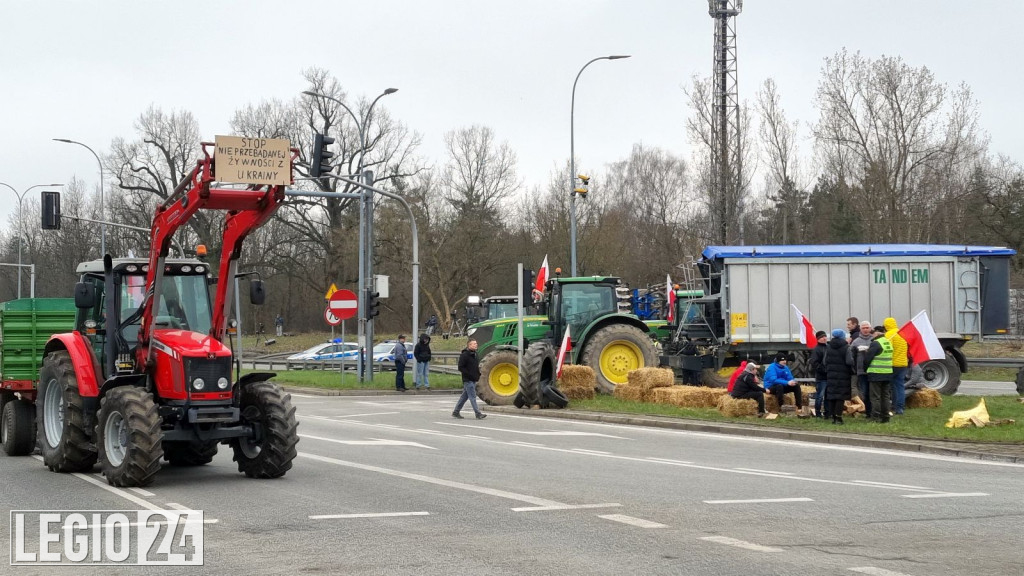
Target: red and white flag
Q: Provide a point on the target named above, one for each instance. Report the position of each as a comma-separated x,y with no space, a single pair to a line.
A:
542,277
922,343
670,299
562,351
806,329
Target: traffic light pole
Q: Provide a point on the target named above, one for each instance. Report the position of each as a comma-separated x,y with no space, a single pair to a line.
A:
367,187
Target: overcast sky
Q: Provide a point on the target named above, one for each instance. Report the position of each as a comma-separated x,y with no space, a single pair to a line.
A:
85,70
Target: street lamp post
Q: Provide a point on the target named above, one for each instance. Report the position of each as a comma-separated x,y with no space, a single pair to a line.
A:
572,159
103,204
21,224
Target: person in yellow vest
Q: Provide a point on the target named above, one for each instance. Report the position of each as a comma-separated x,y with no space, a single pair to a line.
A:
878,360
899,365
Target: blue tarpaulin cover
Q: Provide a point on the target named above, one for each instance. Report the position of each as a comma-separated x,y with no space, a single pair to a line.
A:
848,250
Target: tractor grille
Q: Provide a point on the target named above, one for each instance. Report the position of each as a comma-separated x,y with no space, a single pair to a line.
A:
209,370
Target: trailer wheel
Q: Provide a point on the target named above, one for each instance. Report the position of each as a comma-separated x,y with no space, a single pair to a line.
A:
189,454
61,433
129,437
538,371
18,429
499,378
270,412
616,350
943,375
716,378
801,366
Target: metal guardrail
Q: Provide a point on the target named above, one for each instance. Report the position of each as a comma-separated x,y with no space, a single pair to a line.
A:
997,362
438,363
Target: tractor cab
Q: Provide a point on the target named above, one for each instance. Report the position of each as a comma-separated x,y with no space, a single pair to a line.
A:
577,302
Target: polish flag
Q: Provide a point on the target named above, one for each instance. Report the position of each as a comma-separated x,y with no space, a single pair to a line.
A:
806,329
562,351
922,343
542,277
670,298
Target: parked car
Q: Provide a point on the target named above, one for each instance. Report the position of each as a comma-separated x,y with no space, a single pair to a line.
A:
383,353
329,351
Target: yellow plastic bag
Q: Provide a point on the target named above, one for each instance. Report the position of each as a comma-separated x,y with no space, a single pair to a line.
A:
962,419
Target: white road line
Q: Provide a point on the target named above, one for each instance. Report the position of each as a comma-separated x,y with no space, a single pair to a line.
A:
767,471
475,437
565,507
639,522
668,460
370,442
586,451
438,481
872,571
388,426
740,544
890,484
129,497
518,443
142,492
377,515
946,495
367,414
424,430
758,501
294,395
534,432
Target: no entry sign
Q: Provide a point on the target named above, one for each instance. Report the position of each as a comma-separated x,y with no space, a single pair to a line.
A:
343,304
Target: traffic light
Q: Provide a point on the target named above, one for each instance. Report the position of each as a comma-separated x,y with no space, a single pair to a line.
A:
321,159
528,280
51,210
372,305
584,187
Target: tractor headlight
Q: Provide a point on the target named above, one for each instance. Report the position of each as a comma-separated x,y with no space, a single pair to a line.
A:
198,384
470,332
223,383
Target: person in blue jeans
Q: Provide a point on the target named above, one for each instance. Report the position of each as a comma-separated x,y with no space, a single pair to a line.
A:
469,367
421,353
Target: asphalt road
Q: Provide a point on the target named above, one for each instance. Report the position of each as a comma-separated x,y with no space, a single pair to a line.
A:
395,485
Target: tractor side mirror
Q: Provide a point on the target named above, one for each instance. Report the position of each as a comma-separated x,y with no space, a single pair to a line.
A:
257,295
85,295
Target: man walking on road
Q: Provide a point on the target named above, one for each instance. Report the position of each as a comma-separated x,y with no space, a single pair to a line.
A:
401,356
469,367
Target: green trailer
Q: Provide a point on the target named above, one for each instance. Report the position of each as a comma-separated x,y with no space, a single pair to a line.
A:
25,327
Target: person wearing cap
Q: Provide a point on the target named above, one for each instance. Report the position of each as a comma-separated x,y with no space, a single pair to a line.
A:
401,357
820,374
778,380
748,386
839,388
878,360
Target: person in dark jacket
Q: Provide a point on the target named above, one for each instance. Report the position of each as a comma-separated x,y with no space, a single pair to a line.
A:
820,374
469,367
421,353
401,357
838,372
878,361
747,386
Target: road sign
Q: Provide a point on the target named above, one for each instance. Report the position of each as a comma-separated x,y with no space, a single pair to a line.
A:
343,304
330,291
331,318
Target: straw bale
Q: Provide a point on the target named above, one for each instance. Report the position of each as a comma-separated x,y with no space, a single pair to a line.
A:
575,376
925,398
649,378
664,395
578,392
697,396
732,407
771,404
630,393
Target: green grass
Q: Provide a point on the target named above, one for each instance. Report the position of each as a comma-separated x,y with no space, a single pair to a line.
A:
990,374
349,381
926,423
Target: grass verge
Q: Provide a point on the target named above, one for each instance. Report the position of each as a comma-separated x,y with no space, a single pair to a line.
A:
924,423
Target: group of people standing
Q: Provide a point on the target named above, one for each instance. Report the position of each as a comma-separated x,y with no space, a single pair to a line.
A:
876,356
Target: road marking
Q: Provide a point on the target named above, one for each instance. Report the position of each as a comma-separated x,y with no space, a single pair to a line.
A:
890,484
142,492
424,430
368,403
518,443
946,495
765,471
476,437
367,414
668,460
130,497
294,395
535,432
377,515
395,426
370,442
639,522
758,501
740,544
586,451
438,481
565,507
876,571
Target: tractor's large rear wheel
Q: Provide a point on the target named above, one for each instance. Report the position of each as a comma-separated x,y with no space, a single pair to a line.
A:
129,437
616,350
538,372
270,412
60,416
189,453
18,428
499,378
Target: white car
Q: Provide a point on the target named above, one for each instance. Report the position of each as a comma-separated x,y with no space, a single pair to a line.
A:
383,353
329,351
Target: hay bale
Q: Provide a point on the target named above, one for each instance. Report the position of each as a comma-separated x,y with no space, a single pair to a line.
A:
697,396
578,392
575,376
650,378
924,398
808,392
732,407
664,395
771,404
629,393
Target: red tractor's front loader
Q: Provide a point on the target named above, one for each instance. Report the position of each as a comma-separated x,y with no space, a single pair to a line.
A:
145,374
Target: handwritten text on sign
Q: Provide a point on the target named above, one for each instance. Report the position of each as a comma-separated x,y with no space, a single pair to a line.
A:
253,160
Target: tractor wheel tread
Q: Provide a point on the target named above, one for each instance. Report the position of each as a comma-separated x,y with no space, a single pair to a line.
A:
75,451
483,387
145,445
19,421
538,371
280,430
596,344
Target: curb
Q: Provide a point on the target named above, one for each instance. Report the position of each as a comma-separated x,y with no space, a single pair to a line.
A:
327,392
736,430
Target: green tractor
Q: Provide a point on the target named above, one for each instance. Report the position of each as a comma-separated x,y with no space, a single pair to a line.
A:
603,337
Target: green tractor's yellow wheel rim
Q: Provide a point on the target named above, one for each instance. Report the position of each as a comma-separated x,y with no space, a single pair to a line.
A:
618,358
504,379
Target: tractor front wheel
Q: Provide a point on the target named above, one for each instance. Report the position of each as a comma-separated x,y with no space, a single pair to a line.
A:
128,436
60,416
269,453
616,350
538,372
499,378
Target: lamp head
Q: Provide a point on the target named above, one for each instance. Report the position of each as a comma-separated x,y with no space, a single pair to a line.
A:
64,140
619,56
390,91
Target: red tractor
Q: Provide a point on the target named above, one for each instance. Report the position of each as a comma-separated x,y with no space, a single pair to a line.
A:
146,374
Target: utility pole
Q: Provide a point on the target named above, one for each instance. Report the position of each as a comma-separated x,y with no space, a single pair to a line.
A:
726,153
